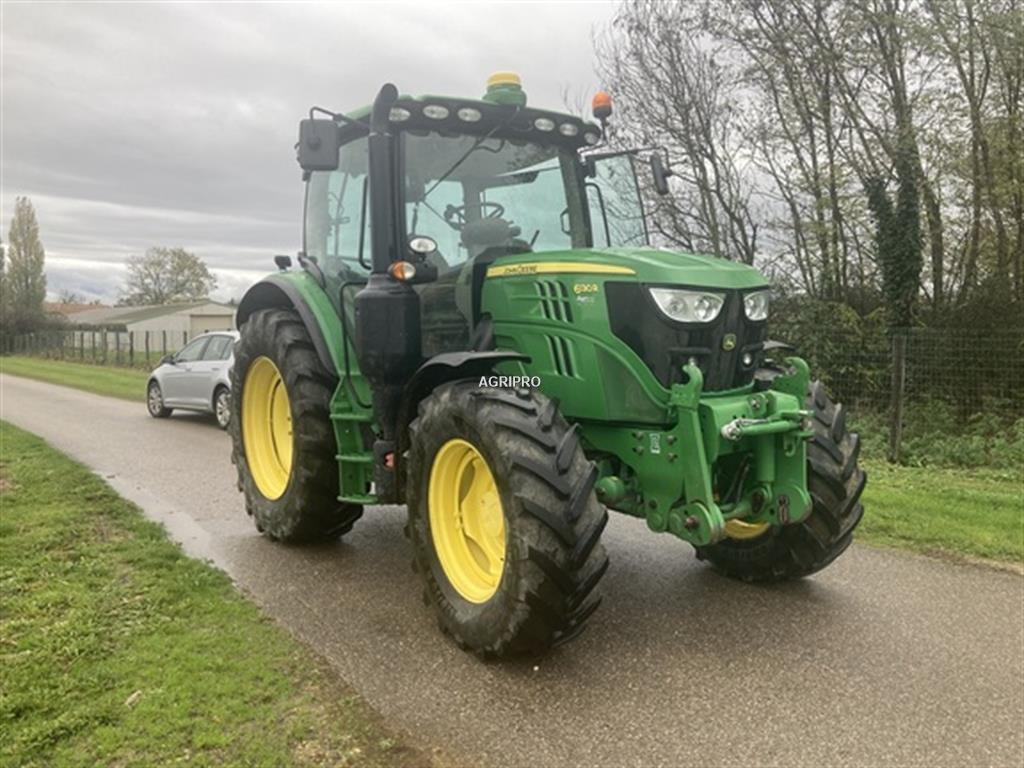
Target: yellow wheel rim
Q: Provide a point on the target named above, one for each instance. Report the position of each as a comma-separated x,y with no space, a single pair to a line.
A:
267,427
737,529
467,522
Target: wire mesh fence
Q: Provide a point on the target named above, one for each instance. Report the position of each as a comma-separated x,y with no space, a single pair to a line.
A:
959,384
970,371
960,402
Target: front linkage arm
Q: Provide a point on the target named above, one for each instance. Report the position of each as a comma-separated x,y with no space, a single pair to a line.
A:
672,483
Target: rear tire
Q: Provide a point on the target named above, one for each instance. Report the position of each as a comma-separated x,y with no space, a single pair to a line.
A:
835,483
552,557
304,507
155,402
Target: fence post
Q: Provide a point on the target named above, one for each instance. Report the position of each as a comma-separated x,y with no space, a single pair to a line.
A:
164,332
131,349
184,338
146,340
899,377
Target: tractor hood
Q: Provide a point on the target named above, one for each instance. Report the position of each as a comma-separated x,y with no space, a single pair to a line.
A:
646,265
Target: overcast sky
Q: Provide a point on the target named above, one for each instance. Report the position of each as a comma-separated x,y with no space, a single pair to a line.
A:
143,124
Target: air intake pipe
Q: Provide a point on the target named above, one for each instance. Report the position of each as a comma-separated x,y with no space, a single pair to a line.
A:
387,311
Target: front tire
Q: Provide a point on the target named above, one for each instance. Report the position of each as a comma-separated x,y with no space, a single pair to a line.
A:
503,519
835,482
283,444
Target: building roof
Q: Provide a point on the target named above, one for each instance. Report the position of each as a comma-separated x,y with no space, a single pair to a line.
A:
128,315
70,308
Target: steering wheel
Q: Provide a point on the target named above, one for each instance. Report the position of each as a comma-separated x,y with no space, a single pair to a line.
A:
455,215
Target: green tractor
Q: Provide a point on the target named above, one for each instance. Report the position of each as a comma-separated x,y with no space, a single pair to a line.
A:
478,328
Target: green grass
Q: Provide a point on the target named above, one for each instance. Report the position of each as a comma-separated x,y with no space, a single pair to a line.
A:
978,513
126,383
116,649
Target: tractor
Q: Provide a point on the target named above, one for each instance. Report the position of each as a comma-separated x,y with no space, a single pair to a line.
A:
477,327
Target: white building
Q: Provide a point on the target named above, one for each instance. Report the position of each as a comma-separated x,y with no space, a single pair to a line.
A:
176,319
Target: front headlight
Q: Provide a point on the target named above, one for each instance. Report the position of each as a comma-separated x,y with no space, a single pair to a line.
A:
755,305
688,306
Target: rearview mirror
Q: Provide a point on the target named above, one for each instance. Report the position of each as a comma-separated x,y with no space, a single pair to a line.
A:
167,360
319,142
661,172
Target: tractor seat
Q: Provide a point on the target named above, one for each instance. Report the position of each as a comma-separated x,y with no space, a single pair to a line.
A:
482,234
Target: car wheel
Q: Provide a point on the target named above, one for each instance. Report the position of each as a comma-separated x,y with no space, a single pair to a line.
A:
222,407
155,402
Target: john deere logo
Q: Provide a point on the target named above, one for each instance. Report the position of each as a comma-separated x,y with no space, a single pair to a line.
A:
729,342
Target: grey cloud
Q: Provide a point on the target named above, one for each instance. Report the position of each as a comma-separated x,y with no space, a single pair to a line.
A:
133,125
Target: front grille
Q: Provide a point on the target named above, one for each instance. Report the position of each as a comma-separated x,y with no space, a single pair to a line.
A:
665,345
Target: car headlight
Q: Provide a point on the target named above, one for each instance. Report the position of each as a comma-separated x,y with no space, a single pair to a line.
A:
755,305
688,306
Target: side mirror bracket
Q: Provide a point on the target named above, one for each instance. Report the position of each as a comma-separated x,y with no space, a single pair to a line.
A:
660,171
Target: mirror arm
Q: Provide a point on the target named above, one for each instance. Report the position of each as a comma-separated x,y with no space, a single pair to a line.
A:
337,117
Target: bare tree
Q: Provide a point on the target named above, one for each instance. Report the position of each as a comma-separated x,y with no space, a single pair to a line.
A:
670,90
782,113
166,276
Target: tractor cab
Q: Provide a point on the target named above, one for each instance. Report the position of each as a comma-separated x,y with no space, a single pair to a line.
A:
468,181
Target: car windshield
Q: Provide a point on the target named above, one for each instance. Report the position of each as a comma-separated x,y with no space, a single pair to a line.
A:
469,193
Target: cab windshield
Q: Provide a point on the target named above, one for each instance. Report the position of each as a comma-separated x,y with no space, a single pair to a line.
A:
472,193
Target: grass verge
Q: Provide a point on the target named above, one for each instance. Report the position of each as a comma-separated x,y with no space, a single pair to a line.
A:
116,649
978,513
126,383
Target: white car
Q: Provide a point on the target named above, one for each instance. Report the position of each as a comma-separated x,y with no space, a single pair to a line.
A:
197,378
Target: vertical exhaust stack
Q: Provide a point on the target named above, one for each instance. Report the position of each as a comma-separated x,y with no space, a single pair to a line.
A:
387,311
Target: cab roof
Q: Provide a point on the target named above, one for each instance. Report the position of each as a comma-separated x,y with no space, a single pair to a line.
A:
447,114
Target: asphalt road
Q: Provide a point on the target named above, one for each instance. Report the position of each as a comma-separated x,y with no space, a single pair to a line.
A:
883,659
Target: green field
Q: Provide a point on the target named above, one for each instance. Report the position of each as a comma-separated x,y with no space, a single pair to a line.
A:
126,383
118,650
979,513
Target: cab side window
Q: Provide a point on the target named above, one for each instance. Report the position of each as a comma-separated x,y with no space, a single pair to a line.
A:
337,222
616,209
193,351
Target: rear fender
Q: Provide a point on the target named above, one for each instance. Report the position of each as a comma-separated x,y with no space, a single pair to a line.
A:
299,291
449,366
